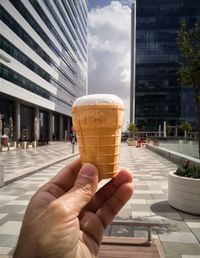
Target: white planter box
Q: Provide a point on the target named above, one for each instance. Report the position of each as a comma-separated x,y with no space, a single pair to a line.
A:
12,148
24,145
34,144
3,148
131,142
184,193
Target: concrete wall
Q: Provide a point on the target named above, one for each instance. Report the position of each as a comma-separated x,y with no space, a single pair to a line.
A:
173,156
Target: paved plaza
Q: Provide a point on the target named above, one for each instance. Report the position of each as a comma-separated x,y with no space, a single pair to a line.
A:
178,232
20,162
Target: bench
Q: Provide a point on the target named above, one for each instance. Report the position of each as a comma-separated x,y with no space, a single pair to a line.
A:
131,247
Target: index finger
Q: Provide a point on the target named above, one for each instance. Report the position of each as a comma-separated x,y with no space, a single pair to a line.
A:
104,193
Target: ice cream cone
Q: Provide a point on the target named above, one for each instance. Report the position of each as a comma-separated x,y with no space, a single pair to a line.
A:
98,131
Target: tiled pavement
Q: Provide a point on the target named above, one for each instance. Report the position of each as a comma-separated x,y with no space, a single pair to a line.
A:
20,162
179,232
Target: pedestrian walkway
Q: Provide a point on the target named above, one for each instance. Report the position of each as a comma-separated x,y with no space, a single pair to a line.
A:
20,162
179,232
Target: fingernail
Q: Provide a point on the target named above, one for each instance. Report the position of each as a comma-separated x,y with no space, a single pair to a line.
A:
88,171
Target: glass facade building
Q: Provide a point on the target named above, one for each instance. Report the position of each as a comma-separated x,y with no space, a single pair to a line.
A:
43,64
159,95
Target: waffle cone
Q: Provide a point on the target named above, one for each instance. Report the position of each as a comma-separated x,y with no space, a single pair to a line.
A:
98,131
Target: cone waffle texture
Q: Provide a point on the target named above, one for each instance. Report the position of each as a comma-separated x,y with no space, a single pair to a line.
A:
98,131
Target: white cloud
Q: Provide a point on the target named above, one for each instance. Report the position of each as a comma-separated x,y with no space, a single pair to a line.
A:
109,51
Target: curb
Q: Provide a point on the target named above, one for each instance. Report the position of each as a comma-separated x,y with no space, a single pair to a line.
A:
26,174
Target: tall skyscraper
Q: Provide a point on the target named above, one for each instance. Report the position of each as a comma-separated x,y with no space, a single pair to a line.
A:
43,65
159,95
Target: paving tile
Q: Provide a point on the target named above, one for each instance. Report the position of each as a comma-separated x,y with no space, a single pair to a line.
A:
137,201
175,248
140,207
11,208
178,232
25,197
173,225
18,202
8,240
5,250
179,237
3,215
143,214
7,197
158,196
196,232
193,224
124,231
142,196
10,228
14,217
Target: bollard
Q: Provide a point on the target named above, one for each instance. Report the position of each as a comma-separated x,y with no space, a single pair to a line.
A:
24,144
34,144
72,148
73,143
1,174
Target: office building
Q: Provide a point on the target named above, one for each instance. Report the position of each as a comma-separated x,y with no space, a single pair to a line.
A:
43,65
159,95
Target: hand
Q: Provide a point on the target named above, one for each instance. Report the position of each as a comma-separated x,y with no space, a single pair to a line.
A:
66,218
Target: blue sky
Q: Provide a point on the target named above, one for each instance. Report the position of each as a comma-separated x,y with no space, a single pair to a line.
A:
102,3
98,3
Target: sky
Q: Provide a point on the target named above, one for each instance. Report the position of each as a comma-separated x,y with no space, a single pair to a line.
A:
109,49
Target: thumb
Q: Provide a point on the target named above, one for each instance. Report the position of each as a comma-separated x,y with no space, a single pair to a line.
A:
83,190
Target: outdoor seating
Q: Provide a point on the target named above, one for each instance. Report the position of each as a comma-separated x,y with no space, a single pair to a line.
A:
131,247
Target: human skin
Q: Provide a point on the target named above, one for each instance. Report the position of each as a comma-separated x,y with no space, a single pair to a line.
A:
66,217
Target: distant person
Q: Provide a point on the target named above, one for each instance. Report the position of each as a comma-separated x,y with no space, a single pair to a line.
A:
54,137
73,138
66,218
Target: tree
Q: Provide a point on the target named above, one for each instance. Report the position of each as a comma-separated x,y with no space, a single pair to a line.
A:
189,44
168,128
132,128
186,126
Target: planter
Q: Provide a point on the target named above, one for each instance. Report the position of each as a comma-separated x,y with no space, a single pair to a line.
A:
131,142
34,144
14,144
184,193
4,148
24,144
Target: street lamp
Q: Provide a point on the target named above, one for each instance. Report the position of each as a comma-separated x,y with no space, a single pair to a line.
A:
133,61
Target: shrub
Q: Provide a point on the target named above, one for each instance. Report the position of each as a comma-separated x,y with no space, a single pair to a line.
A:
132,128
189,170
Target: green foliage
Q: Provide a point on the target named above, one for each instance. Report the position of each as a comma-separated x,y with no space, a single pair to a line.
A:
188,41
132,128
189,170
168,128
186,126
189,45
